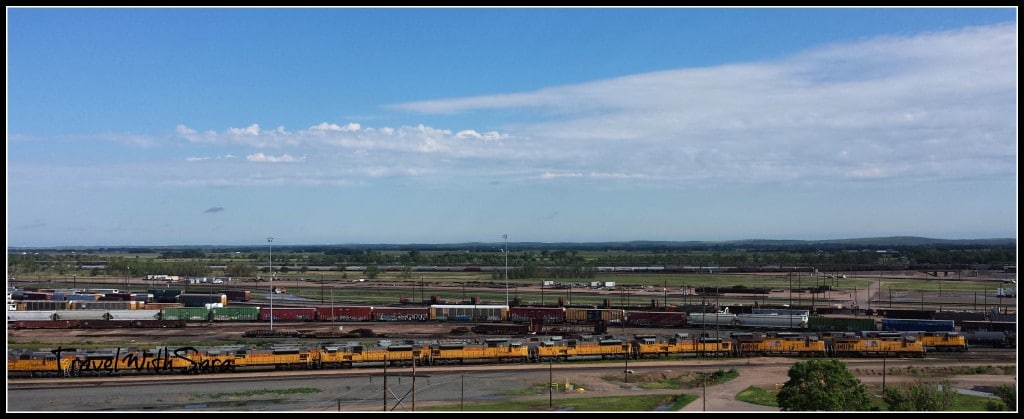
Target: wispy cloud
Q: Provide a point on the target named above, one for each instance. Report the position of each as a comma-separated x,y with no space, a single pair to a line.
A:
263,158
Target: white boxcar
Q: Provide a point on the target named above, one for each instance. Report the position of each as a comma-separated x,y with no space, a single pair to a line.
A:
772,321
712,319
31,315
81,315
134,314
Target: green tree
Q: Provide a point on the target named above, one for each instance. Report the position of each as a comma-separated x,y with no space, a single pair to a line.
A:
372,271
237,269
822,385
921,396
896,400
1008,394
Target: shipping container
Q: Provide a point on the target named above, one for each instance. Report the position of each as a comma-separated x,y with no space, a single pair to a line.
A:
165,295
106,305
82,297
580,315
240,296
160,306
118,297
192,314
235,314
201,300
36,305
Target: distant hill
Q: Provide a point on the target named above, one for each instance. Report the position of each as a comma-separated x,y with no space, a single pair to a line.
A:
876,243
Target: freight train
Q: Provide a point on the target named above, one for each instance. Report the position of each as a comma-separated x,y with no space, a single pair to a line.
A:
64,362
117,314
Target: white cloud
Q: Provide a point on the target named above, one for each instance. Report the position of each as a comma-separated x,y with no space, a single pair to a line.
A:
948,95
263,158
934,106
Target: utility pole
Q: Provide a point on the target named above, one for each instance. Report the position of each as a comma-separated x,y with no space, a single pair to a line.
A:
883,371
625,355
550,382
415,357
704,381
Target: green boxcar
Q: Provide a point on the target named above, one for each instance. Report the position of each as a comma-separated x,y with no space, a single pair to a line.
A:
248,314
840,324
191,314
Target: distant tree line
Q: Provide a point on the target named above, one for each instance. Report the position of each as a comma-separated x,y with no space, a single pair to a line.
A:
536,263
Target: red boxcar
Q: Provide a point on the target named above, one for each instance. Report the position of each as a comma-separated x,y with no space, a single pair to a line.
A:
400,314
289,313
548,315
345,313
655,318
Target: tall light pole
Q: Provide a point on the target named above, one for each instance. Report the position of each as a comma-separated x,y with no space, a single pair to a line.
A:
270,243
505,236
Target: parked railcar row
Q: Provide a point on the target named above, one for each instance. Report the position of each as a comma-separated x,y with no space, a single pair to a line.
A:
120,361
537,318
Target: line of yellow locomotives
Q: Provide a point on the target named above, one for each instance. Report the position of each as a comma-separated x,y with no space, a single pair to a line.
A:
63,362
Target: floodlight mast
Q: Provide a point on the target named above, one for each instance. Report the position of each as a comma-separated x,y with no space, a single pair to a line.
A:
270,243
505,236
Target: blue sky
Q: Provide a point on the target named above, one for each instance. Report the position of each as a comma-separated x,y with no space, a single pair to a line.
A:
223,126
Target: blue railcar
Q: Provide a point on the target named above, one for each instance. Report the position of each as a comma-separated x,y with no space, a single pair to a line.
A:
917,325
